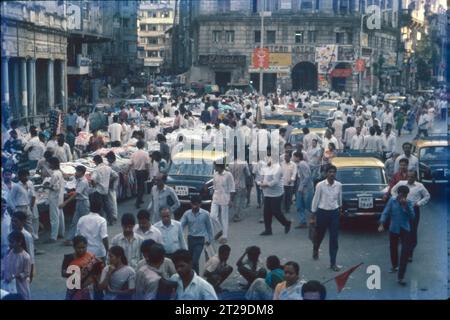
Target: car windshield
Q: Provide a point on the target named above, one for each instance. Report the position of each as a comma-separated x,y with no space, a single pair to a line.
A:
439,153
327,104
360,176
191,168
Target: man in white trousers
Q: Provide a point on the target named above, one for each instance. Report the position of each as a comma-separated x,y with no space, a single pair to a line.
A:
224,191
55,198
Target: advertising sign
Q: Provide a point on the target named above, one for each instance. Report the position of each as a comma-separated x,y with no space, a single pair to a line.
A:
261,58
326,56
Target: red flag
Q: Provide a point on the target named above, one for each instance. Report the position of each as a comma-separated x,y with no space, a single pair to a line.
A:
341,279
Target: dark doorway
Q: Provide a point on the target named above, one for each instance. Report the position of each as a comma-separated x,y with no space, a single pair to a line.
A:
304,76
269,82
339,76
222,80
41,86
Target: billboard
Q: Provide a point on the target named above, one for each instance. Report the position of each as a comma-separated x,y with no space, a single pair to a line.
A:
326,56
280,59
261,58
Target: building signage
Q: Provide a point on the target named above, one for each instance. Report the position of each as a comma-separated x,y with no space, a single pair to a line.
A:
280,59
346,53
360,65
326,57
272,69
222,61
260,58
341,73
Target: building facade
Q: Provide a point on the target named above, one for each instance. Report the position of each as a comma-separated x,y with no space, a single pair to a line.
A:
34,47
156,19
313,45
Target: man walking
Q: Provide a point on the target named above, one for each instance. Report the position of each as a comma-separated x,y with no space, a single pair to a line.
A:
101,181
140,163
401,212
289,171
224,190
419,196
162,197
272,186
327,205
305,189
199,230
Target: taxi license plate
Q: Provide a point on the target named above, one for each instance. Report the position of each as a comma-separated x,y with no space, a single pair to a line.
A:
181,190
365,202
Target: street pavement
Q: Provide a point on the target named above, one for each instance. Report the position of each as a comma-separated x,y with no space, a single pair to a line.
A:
427,277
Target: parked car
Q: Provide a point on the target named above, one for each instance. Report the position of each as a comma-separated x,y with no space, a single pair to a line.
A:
191,173
363,186
433,154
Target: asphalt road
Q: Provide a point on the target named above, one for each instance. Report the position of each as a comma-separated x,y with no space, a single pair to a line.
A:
427,277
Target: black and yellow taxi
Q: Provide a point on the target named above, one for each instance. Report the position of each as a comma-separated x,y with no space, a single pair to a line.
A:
297,134
363,185
191,174
433,154
274,123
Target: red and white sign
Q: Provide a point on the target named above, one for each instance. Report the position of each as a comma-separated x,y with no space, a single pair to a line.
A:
261,58
360,65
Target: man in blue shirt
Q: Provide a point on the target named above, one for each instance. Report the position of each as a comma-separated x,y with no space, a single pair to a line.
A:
199,230
401,213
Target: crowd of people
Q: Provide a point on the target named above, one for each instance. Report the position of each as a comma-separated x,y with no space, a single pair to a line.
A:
152,258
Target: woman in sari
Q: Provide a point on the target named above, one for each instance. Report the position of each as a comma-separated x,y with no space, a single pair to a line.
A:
90,268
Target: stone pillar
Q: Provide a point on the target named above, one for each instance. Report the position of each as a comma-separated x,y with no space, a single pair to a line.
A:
16,89
50,84
5,90
5,81
63,81
31,70
24,87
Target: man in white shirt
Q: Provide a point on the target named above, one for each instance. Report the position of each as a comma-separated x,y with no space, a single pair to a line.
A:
94,228
190,285
101,181
289,171
329,138
423,123
413,162
35,148
307,139
140,163
372,143
171,233
314,158
128,240
419,196
389,141
145,229
223,196
338,125
115,131
349,133
358,140
327,208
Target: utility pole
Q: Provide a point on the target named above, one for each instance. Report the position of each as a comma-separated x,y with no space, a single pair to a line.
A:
261,75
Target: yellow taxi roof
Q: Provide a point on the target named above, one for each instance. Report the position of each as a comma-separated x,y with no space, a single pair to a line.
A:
274,122
431,143
199,154
343,162
292,113
319,131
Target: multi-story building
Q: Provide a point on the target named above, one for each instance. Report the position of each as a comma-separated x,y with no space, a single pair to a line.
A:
313,44
119,56
423,20
156,19
89,28
34,58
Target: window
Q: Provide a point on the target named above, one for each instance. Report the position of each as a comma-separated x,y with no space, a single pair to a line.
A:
165,14
143,40
229,36
224,5
299,37
306,5
339,37
257,36
271,36
152,54
350,38
161,53
152,27
125,22
216,36
152,40
312,36
143,27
